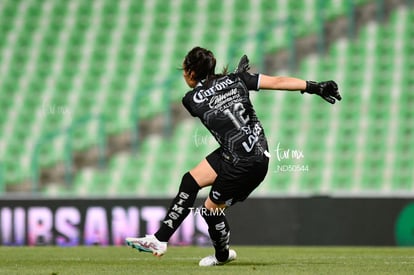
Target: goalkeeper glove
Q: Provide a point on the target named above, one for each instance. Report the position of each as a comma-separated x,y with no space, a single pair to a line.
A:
243,65
328,90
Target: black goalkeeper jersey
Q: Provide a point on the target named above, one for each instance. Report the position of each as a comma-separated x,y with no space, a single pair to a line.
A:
225,109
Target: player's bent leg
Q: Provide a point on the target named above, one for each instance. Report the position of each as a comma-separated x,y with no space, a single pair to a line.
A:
219,231
203,174
177,212
179,208
200,176
149,243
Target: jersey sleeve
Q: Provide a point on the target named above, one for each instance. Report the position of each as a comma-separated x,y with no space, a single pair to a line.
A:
250,80
187,104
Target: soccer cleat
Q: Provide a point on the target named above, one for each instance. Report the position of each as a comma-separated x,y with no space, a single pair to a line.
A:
149,243
212,261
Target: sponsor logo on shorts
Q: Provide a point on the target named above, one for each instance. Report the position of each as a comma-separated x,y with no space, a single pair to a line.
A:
216,195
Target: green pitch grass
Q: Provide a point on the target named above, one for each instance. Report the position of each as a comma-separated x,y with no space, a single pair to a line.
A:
184,260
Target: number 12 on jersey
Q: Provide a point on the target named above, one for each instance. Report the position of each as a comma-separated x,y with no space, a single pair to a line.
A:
237,115
240,121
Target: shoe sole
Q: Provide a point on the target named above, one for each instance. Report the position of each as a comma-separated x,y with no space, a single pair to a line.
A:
142,249
137,247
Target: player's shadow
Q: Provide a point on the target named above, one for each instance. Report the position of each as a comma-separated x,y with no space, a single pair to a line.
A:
253,264
259,264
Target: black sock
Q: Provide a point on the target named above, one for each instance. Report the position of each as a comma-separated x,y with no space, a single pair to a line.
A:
219,231
179,208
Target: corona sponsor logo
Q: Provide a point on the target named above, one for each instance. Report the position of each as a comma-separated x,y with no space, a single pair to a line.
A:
202,95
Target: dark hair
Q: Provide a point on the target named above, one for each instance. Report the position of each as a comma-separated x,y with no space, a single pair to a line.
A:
202,62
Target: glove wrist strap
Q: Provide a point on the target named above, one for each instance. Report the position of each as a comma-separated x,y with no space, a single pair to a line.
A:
312,87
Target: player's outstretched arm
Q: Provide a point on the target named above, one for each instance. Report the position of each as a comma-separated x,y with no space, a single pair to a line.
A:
281,83
328,90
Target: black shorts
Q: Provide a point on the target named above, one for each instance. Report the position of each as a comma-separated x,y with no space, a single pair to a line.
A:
235,182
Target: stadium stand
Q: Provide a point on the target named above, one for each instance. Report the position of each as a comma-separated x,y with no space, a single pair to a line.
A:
360,146
64,60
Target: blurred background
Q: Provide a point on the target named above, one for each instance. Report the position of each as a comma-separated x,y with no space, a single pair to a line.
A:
90,107
90,94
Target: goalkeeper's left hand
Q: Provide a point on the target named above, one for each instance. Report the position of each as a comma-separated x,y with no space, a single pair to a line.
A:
243,65
328,90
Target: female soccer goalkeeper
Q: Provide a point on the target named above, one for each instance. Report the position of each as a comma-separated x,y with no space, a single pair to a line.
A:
239,165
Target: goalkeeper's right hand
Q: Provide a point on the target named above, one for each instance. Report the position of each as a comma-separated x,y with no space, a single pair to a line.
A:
328,90
243,65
